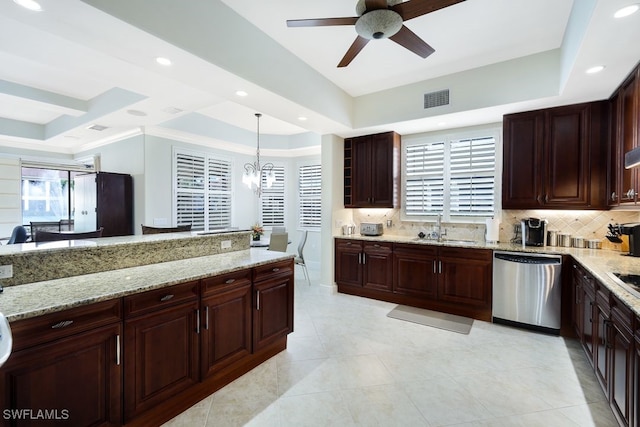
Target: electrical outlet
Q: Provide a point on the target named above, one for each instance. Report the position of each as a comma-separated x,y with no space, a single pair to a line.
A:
225,244
6,271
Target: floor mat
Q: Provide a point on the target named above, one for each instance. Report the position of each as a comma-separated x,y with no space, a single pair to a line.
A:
449,322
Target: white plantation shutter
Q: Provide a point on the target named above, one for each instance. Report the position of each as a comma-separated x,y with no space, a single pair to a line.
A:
424,184
453,177
272,200
219,193
202,194
309,195
472,183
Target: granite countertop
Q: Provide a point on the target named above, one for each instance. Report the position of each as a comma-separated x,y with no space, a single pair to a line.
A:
35,299
598,262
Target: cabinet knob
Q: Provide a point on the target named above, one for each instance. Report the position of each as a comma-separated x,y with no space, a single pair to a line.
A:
166,297
275,269
614,196
229,281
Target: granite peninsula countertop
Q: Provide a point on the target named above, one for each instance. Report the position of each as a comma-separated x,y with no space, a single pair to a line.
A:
35,299
598,262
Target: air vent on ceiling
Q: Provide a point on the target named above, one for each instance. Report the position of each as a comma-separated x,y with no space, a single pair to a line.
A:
172,110
436,99
99,128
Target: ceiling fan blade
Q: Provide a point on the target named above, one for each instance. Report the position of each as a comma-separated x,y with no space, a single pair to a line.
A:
321,22
414,8
375,4
355,49
407,38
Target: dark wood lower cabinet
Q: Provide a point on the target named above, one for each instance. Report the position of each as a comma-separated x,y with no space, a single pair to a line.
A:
448,279
143,359
226,334
73,381
622,353
161,356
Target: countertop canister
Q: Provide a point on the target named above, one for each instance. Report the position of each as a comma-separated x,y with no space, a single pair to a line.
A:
564,240
552,238
577,242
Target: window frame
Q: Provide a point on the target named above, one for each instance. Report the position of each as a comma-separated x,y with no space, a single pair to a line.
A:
447,137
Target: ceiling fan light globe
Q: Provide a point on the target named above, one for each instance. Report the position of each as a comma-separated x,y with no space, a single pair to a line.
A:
378,24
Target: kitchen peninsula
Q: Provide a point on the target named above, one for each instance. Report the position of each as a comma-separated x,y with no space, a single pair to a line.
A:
143,326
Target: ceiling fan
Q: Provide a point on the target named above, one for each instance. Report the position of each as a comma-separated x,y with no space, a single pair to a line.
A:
379,19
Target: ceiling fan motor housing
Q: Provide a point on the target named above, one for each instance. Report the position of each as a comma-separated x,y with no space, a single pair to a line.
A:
378,24
361,7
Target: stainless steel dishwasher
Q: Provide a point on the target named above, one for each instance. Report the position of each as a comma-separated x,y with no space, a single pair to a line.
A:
526,290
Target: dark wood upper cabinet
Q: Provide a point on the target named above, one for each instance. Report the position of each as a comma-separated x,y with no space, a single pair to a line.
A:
625,105
556,158
372,167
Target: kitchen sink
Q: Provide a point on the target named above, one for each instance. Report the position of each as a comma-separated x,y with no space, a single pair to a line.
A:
447,241
631,282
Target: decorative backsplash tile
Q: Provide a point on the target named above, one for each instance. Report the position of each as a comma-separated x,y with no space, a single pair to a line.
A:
589,224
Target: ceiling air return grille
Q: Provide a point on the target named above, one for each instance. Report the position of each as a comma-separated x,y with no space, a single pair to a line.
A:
436,99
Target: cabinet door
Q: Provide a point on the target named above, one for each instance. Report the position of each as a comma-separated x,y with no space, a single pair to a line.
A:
629,135
348,262
115,204
79,378
226,329
588,323
273,310
362,169
578,296
85,191
378,266
621,362
161,356
615,154
602,337
567,157
415,271
383,170
522,161
465,277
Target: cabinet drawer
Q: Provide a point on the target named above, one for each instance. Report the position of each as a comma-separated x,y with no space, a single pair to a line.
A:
38,330
467,253
135,305
222,283
378,247
275,269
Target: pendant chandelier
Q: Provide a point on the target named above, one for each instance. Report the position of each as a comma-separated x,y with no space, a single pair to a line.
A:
252,175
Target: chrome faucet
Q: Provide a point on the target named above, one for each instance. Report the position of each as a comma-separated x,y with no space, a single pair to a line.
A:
439,233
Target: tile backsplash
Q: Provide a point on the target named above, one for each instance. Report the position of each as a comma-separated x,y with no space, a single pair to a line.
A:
589,224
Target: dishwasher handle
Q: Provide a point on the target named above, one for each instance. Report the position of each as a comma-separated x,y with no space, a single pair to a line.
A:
528,259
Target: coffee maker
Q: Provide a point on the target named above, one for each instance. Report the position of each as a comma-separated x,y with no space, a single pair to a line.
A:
633,231
534,232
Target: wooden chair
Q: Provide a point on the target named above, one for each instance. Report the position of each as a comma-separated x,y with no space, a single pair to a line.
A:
157,230
53,236
43,226
278,242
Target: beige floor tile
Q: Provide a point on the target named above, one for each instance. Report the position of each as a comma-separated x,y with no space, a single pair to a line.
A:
347,364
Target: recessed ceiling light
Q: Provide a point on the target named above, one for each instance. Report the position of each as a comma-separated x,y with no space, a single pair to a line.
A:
137,113
97,127
594,70
302,118
29,4
163,61
626,11
241,93
442,123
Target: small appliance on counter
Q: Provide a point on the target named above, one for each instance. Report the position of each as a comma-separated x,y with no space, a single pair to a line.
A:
633,231
534,232
371,229
348,230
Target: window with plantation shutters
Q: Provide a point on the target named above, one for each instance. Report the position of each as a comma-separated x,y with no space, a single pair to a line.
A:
309,195
472,177
202,191
424,185
272,199
454,177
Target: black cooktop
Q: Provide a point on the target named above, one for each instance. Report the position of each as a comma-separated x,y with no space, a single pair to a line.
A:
632,280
